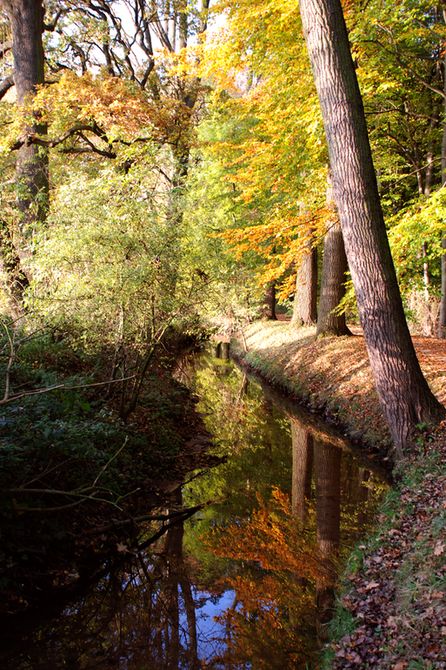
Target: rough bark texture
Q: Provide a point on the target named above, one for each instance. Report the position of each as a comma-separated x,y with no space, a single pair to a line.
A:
334,267
402,389
16,280
26,18
305,298
442,319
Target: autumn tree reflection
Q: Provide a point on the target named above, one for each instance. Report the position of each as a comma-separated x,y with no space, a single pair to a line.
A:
327,463
272,623
302,449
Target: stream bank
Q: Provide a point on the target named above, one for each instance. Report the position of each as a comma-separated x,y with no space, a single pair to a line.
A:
246,582
392,609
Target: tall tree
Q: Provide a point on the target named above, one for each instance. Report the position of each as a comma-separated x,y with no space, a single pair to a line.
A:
442,316
404,394
275,149
401,68
269,302
305,297
26,20
302,447
327,467
334,268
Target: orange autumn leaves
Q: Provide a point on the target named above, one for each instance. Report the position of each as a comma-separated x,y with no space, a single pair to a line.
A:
274,153
281,242
272,618
114,106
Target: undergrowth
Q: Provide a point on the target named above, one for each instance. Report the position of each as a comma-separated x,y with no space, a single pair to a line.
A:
68,462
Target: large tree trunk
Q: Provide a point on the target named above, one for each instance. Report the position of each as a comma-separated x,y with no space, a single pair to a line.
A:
26,18
334,268
16,279
404,394
442,318
269,302
305,297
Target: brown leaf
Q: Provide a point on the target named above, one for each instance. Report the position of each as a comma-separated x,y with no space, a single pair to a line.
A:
439,548
437,595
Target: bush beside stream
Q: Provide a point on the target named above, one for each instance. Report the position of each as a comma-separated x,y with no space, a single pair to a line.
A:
69,466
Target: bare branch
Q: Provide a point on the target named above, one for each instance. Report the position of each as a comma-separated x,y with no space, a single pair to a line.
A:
11,358
5,85
27,394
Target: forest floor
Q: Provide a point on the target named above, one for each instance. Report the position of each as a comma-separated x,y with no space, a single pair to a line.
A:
391,612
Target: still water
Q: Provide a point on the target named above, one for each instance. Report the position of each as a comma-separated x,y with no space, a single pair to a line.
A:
248,581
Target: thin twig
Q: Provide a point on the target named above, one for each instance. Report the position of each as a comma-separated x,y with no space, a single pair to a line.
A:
62,386
110,460
9,365
141,519
187,514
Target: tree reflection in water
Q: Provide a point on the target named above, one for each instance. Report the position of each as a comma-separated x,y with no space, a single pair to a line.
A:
249,582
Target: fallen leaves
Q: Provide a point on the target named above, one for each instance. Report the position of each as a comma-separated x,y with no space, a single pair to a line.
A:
439,548
398,599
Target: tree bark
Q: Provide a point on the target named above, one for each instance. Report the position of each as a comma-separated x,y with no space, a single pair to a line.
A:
269,302
302,446
16,279
305,297
26,18
327,468
442,317
442,320
404,394
334,268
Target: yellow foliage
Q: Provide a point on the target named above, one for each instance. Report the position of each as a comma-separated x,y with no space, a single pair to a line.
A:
276,157
111,104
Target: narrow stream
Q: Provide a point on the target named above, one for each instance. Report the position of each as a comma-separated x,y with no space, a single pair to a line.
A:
248,582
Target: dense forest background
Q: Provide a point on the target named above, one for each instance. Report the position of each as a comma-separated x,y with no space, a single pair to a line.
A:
172,171
164,163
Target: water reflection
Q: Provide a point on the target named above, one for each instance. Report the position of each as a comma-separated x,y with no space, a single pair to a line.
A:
302,467
249,581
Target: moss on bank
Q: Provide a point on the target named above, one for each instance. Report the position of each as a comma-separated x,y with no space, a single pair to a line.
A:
392,609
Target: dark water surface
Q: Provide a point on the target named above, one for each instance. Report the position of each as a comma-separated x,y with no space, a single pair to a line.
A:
248,581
